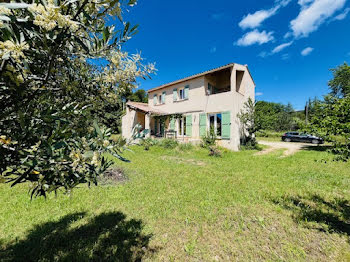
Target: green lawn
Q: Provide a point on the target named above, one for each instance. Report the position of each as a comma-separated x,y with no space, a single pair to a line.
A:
185,205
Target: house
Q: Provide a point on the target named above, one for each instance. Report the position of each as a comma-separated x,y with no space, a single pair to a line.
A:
188,108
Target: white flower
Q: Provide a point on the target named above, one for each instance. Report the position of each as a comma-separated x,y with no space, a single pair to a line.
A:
95,158
4,10
49,17
12,49
105,143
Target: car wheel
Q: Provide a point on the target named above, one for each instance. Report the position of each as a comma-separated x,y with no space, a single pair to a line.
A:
315,141
287,140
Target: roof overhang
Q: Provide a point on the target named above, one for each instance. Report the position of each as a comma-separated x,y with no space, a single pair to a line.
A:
192,77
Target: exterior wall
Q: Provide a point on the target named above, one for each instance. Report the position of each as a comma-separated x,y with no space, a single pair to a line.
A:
129,120
199,102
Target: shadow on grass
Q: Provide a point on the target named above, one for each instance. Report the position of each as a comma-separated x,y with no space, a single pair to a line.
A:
319,148
106,237
332,216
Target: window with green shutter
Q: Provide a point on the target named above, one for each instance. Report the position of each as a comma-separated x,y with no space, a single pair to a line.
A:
202,124
187,88
175,94
189,125
154,99
226,125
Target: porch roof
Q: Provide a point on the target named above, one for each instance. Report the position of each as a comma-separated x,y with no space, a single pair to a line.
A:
145,108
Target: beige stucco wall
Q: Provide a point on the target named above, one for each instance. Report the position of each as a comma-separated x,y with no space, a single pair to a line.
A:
198,102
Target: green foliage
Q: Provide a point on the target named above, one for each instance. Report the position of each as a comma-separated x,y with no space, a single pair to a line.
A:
139,95
340,84
330,118
185,146
147,143
52,99
250,124
168,143
209,139
250,144
275,116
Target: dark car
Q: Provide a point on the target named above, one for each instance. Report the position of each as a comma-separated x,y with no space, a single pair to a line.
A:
301,137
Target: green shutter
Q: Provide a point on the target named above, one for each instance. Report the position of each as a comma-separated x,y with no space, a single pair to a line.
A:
202,124
175,94
154,99
172,124
226,125
187,88
209,89
189,125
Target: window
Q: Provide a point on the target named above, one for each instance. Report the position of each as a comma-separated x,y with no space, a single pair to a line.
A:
215,123
159,99
182,94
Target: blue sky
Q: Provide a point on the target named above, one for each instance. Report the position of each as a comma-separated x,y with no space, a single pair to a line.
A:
289,45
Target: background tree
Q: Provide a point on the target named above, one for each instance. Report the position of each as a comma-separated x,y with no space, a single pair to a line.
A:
275,116
330,118
340,84
51,96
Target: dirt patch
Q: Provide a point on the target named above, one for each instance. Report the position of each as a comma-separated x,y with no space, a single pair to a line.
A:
180,160
114,175
289,148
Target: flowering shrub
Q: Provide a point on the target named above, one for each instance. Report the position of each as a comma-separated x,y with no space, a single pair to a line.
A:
51,93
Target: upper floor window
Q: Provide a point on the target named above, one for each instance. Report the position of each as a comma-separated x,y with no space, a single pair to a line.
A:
182,94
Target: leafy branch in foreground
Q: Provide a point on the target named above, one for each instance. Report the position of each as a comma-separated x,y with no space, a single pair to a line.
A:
51,94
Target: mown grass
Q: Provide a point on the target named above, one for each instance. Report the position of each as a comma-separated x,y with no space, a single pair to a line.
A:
183,205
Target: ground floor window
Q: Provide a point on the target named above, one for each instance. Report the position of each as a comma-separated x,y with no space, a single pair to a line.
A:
214,123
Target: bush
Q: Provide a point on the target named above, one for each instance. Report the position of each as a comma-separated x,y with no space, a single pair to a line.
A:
250,144
214,151
168,143
269,133
209,139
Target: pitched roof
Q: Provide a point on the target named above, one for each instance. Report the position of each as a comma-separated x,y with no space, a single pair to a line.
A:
197,75
144,108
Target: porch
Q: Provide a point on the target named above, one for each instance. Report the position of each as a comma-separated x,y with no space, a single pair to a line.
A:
142,121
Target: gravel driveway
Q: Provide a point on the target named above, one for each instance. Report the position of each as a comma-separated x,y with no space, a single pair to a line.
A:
290,147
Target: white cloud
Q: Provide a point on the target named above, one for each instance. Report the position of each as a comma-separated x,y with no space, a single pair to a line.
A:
259,93
306,51
255,20
313,13
213,49
285,56
279,48
343,15
263,54
255,37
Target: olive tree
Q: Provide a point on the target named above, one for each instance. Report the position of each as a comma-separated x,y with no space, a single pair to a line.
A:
51,91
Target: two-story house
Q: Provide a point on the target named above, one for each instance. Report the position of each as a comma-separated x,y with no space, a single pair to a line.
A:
192,106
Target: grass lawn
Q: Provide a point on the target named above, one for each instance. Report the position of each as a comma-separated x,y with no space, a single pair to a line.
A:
184,205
